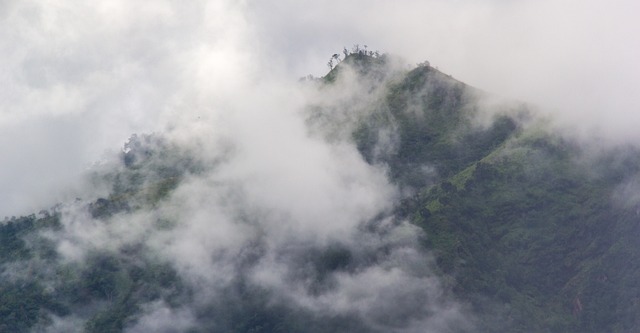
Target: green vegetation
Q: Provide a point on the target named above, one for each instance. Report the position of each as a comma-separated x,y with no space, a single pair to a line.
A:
533,231
522,220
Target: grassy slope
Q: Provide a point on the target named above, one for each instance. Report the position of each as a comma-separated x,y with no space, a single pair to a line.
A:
529,235
521,229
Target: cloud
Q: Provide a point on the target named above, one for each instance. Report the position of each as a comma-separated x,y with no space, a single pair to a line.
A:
159,317
116,67
573,58
278,206
79,79
282,211
217,78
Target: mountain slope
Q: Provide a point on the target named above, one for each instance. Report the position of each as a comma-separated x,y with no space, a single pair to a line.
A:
451,216
528,224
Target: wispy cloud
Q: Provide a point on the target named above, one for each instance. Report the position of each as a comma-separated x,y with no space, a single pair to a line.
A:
93,74
217,78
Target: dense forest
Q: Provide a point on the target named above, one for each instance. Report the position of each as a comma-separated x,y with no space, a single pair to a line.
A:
496,223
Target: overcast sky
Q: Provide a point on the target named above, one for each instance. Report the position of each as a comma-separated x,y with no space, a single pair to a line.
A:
79,77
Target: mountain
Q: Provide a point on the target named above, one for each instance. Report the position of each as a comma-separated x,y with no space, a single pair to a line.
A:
443,213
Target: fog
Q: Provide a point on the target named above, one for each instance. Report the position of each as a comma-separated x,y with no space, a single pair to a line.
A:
575,59
78,79
278,198
219,80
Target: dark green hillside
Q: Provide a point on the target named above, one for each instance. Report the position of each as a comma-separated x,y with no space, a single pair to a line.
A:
433,118
531,235
523,221
526,230
107,289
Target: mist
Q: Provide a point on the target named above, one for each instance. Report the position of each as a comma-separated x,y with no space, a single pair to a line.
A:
574,59
271,187
93,75
272,201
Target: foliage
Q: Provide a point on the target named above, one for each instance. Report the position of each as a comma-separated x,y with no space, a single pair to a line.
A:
522,219
526,226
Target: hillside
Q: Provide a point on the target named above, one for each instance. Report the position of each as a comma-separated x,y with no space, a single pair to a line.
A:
536,231
443,214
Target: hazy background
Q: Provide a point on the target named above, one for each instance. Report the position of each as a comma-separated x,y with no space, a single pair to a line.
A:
78,78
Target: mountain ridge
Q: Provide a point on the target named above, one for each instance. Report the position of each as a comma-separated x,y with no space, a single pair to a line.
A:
516,227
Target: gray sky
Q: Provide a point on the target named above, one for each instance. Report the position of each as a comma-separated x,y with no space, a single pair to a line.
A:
78,78
220,78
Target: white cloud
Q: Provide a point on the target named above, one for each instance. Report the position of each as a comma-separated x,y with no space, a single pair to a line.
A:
219,76
574,58
79,78
117,67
